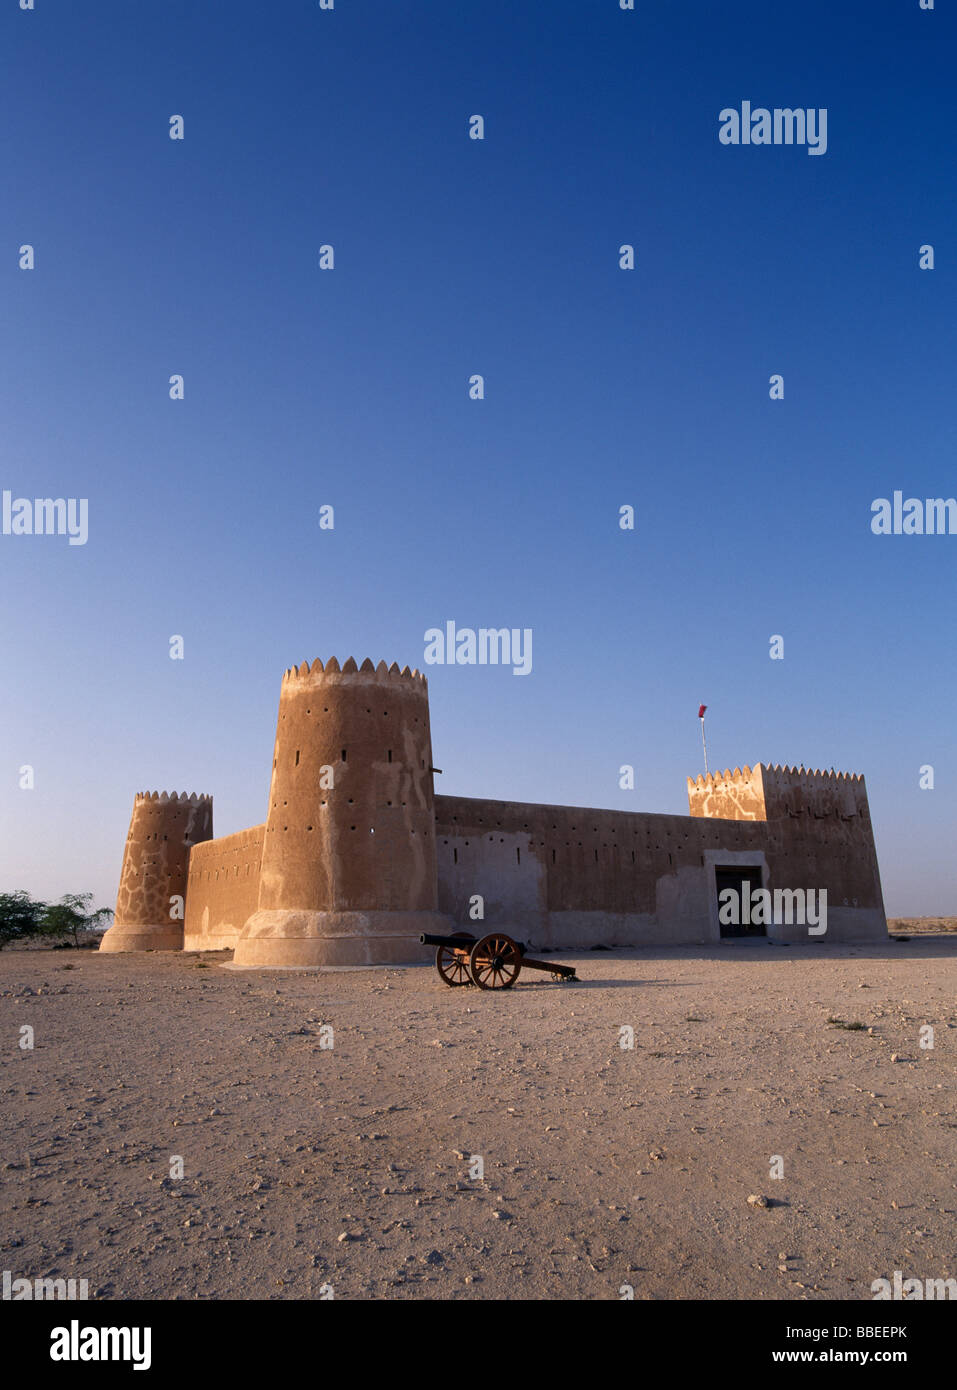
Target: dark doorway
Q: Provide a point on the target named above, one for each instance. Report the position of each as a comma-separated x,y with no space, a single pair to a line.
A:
744,880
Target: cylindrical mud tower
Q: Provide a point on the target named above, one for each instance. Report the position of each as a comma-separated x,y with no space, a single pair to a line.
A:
152,891
348,869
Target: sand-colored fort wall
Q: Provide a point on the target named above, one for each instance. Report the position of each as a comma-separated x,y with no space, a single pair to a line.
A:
568,876
573,877
223,889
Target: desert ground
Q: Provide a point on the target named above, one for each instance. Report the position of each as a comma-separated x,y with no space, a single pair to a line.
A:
350,1168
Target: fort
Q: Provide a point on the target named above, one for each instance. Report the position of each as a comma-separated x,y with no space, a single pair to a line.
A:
357,856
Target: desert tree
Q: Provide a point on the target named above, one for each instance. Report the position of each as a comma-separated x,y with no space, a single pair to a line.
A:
21,917
71,915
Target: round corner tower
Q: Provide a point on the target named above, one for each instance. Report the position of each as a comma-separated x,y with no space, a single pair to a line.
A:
152,893
349,866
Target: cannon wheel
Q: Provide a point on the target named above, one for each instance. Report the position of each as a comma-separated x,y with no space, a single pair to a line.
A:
495,962
454,968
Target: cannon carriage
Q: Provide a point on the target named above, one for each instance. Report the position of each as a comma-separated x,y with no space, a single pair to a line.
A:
494,961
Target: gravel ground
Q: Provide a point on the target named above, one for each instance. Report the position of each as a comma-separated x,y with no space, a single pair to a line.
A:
354,1167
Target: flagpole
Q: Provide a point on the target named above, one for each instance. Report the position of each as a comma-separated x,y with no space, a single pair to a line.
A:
703,743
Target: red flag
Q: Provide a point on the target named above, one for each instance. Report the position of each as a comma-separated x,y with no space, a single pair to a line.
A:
701,710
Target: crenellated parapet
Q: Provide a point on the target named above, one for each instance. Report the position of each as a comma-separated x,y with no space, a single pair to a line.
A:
737,795
818,793
150,902
769,792
351,668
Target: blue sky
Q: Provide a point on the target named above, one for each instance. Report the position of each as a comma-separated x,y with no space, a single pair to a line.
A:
350,387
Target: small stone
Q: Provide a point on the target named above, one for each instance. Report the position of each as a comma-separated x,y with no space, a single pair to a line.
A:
757,1200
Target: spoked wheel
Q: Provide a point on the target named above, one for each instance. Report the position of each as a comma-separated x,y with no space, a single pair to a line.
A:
495,962
454,968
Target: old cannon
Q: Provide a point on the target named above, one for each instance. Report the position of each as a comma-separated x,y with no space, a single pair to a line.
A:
492,962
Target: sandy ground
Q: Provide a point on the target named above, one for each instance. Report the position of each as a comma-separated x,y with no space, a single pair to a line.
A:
349,1167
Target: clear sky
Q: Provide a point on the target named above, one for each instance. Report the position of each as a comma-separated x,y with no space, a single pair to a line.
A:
349,387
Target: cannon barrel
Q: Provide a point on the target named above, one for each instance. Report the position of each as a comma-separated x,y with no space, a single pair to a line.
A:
452,941
459,942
